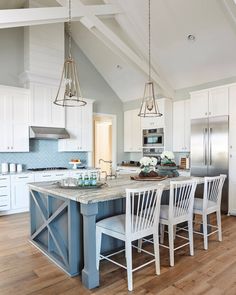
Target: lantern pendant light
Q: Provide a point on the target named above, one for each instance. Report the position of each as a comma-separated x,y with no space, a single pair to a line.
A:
69,92
149,107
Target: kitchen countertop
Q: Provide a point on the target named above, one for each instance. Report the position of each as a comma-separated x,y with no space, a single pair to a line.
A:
47,171
115,189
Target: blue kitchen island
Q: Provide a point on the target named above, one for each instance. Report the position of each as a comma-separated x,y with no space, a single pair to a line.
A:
63,222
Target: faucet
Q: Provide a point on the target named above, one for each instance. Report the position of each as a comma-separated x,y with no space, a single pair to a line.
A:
110,167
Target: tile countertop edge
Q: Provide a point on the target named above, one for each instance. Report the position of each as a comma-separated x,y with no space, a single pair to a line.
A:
114,190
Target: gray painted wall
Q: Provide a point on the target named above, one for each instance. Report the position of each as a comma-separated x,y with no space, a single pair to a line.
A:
11,56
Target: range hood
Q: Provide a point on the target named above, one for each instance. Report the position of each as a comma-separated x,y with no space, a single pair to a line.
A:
37,132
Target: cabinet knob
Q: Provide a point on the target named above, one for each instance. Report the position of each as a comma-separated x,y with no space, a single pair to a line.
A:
206,114
8,148
231,147
209,113
230,156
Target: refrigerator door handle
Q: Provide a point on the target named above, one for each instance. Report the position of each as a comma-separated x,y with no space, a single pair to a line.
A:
205,146
210,146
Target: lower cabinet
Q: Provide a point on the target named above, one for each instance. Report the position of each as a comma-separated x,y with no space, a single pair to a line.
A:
20,191
5,193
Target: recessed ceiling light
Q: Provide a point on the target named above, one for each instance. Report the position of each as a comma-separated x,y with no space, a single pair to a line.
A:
192,37
119,67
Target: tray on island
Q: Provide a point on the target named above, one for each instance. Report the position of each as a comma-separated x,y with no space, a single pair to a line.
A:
142,178
98,185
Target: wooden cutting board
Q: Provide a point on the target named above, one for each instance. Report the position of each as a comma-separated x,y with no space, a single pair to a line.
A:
156,178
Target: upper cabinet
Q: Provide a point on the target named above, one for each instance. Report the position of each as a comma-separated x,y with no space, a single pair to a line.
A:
42,109
132,131
79,124
209,103
14,119
155,122
181,126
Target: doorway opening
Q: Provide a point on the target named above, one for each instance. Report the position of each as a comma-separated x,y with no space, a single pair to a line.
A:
104,142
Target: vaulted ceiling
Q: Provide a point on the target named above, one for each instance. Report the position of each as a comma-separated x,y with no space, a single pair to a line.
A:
116,43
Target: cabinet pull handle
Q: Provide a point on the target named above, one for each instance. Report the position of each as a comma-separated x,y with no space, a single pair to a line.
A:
3,179
23,177
46,175
3,205
3,186
3,195
59,174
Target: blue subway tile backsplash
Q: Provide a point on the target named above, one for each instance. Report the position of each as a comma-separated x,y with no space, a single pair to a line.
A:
43,153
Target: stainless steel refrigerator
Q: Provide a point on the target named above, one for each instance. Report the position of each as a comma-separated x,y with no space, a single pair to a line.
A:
209,151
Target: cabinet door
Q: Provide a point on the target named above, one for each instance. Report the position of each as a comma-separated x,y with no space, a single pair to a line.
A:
199,105
218,102
232,118
20,191
136,135
40,109
127,131
5,143
20,138
57,112
178,126
187,125
86,128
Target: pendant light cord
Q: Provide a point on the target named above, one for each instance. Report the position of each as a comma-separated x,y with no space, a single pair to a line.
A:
149,38
69,28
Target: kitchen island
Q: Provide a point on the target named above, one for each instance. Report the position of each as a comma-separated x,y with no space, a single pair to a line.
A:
63,221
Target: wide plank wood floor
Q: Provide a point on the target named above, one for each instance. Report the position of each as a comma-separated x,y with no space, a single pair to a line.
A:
24,270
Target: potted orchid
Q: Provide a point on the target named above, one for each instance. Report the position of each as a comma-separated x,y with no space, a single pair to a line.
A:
148,166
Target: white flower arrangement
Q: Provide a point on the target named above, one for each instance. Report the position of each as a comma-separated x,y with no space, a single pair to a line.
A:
168,155
147,161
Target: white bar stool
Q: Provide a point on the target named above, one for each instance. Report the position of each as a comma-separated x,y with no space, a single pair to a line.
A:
211,203
179,210
140,220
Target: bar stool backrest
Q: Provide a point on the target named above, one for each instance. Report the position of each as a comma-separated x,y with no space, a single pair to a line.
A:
213,190
142,210
181,198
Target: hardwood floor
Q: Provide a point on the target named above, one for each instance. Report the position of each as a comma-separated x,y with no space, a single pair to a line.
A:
24,270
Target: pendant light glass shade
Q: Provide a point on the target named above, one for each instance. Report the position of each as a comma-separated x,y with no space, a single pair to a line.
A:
149,107
69,92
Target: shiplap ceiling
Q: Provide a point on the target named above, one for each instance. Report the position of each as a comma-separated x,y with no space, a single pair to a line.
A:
177,63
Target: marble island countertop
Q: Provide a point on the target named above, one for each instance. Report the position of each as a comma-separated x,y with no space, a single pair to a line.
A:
115,189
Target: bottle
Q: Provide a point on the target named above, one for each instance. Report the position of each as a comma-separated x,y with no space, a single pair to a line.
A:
86,179
80,180
94,179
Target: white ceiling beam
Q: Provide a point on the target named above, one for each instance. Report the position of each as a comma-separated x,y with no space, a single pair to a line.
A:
105,34
38,16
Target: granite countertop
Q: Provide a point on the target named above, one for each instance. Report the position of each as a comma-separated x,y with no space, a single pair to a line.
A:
47,171
115,189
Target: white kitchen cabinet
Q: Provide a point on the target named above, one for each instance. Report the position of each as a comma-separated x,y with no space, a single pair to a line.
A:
79,124
232,150
181,126
5,192
209,103
155,122
42,109
20,191
132,131
14,119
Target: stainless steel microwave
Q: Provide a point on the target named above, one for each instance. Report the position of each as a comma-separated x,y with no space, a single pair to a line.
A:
153,137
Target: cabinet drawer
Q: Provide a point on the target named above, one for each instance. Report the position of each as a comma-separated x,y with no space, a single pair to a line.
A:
4,181
4,200
4,190
23,177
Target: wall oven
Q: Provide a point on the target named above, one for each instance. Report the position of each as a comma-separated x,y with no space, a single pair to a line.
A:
153,137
